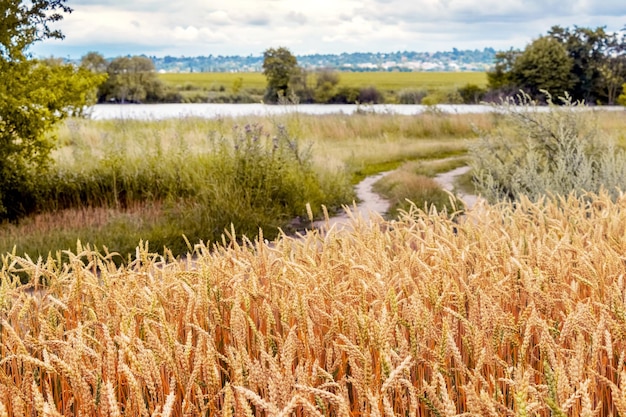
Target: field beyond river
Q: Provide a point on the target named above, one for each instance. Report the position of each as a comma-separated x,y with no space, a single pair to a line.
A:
249,87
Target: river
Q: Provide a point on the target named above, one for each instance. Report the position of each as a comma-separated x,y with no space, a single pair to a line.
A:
214,110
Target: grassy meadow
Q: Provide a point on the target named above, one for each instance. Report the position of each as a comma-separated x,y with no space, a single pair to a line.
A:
174,183
515,310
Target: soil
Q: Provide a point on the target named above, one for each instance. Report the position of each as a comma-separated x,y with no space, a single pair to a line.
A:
372,206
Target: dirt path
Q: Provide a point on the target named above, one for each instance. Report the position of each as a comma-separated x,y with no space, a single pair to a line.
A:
370,204
373,205
446,181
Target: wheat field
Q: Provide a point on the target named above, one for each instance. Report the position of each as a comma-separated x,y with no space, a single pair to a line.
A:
515,310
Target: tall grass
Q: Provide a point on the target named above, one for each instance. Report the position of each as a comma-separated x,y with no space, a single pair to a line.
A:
158,189
159,180
127,180
518,310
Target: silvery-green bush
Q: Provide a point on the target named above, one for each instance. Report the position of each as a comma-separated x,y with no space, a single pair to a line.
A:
538,150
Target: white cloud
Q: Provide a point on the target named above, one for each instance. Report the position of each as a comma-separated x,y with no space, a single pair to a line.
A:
245,27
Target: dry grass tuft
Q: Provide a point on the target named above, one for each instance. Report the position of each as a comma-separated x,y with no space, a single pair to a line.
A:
515,310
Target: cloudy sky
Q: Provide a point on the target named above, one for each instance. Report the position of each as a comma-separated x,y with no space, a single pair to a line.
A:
248,27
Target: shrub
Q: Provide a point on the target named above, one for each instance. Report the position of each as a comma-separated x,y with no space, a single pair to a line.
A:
260,181
443,97
411,96
537,152
404,189
346,95
370,95
326,85
471,93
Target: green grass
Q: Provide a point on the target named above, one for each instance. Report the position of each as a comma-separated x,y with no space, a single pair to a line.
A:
400,80
213,80
404,188
159,180
382,80
147,182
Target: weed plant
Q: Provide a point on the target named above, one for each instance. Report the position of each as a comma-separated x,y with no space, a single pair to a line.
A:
537,152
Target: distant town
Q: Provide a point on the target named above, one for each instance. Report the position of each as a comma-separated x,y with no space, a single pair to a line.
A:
454,60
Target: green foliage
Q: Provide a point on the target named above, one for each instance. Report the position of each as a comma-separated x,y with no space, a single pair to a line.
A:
326,83
34,96
405,188
131,79
196,87
544,65
279,65
597,57
472,93
443,96
161,189
299,89
23,24
502,76
95,62
237,84
346,95
371,95
621,100
260,181
535,153
590,64
411,96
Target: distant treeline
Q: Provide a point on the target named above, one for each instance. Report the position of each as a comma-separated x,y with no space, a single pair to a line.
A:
587,64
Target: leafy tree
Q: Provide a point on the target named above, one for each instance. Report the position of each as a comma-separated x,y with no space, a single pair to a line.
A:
613,74
544,65
132,79
591,50
501,78
279,66
346,95
94,62
595,60
471,93
299,86
34,96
